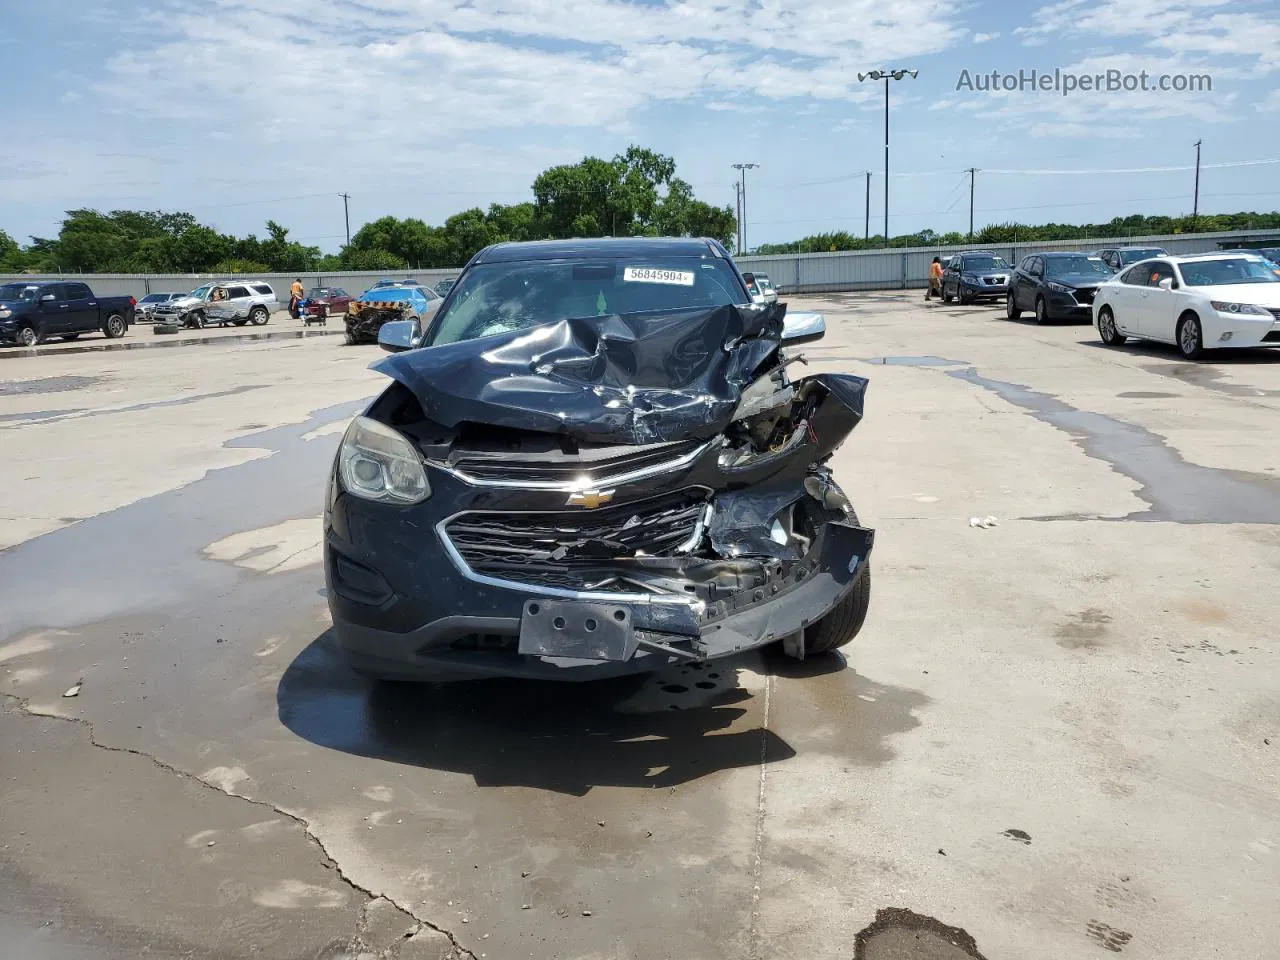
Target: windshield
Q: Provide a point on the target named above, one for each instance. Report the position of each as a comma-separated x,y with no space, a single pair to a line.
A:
984,263
17,291
317,293
495,298
200,293
1075,266
154,298
1216,273
1144,253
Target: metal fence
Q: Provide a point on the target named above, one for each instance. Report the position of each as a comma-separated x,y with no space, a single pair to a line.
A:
909,266
791,273
139,285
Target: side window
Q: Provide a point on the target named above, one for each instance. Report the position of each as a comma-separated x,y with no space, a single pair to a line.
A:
1027,264
57,290
236,293
338,292
1135,275
263,289
77,291
1159,271
1037,266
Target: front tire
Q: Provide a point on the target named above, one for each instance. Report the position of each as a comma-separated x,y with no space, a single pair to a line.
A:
114,327
1107,330
1190,337
1011,310
196,319
258,316
1042,311
946,297
28,337
844,622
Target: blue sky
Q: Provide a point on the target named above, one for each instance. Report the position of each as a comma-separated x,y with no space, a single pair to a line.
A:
240,110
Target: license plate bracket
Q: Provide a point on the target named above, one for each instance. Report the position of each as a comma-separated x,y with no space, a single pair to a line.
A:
577,629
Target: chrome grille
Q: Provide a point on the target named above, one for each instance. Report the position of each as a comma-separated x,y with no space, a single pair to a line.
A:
517,469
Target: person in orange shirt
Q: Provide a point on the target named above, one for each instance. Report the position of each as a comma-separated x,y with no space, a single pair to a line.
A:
935,279
295,297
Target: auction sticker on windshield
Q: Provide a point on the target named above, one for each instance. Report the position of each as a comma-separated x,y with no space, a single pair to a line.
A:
655,275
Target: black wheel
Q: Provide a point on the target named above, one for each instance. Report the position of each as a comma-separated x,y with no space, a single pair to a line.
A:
351,338
70,336
114,327
1111,336
28,337
844,622
1042,311
1190,337
1011,307
196,319
946,296
258,316
964,301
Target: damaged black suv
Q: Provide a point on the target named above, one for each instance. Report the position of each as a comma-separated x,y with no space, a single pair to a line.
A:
593,461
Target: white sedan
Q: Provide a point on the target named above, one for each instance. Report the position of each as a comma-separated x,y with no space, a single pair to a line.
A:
1198,303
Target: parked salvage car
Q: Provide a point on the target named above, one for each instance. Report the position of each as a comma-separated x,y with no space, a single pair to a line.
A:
1199,303
225,301
145,310
323,302
31,313
592,461
1117,258
760,287
974,276
408,282
378,305
445,285
1057,286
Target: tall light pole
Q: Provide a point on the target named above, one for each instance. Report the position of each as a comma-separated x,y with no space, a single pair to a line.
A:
742,204
886,76
1195,204
346,214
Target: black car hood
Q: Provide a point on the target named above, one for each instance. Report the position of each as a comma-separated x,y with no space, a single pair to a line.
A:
622,378
1080,279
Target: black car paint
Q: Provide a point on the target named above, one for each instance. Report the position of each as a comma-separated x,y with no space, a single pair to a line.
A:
954,284
402,604
1029,285
65,315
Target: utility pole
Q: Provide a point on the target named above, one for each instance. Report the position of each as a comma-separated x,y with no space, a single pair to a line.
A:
886,76
971,172
346,214
1195,204
867,208
737,206
742,203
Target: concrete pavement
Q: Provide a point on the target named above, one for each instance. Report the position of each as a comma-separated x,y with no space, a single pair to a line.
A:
1051,738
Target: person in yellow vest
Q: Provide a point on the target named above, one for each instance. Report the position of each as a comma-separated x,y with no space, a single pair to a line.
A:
295,297
935,279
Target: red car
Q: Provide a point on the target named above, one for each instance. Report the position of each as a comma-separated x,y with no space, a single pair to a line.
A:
324,302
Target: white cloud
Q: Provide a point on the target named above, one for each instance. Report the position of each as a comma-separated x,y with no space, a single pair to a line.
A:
983,37
1269,104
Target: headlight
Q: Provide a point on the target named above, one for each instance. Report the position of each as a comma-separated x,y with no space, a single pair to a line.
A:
1222,306
377,463
1060,287
5,312
969,277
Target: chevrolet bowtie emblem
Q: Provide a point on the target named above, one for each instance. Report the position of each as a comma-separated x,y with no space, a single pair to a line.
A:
590,498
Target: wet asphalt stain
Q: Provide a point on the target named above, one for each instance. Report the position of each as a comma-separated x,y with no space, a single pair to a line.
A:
899,934
1147,395
40,414
147,555
232,339
1018,836
1084,631
1209,378
544,735
1107,936
57,415
1176,490
910,361
22,388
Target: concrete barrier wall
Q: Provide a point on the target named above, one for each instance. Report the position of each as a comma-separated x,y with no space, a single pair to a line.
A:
791,273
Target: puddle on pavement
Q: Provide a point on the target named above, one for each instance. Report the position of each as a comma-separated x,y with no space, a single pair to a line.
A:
149,554
53,416
23,388
40,414
899,934
1147,395
161,342
1209,377
1177,490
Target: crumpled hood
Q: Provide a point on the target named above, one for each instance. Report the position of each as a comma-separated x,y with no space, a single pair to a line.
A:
620,378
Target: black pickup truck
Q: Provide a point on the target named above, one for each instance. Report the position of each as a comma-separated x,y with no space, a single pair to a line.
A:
33,312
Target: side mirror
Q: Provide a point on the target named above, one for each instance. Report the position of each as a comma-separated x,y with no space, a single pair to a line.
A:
798,328
48,298
396,336
1167,283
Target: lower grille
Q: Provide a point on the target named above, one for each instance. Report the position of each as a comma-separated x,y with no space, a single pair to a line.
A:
494,542
1275,312
1272,337
1085,295
518,469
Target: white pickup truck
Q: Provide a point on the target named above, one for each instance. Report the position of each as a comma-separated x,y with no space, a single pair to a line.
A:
225,301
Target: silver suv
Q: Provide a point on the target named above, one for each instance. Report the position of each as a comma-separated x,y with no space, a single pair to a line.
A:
222,302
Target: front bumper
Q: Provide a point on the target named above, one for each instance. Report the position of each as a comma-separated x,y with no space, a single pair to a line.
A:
1227,330
1064,306
983,291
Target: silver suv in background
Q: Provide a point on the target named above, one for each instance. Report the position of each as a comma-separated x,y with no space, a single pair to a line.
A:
224,301
147,306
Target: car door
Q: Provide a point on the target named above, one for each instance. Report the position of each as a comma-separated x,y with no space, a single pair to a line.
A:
1158,314
53,309
339,300
81,314
1125,298
240,301
1031,284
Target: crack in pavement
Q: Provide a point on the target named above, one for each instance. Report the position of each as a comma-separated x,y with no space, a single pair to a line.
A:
326,859
757,866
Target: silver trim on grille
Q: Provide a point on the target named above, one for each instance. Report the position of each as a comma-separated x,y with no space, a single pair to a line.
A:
596,596
586,482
